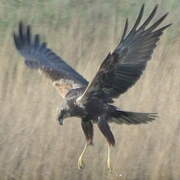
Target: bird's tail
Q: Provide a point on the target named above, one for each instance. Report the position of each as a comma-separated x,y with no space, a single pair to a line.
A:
125,117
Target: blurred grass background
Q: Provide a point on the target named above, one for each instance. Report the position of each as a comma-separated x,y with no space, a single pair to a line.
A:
34,147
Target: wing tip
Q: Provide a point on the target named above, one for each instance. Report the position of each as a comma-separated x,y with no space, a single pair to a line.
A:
125,30
24,36
156,6
138,20
15,40
158,22
142,6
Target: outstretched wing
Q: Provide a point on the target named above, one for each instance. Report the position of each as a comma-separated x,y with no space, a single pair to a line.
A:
38,56
123,67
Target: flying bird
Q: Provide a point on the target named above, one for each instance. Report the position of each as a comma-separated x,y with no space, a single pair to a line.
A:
92,101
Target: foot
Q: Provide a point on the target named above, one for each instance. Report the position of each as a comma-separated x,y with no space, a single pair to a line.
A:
109,159
109,166
81,163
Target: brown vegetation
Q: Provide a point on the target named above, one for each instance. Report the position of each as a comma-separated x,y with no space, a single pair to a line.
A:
32,144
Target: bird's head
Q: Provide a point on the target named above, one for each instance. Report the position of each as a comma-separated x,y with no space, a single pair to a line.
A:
63,112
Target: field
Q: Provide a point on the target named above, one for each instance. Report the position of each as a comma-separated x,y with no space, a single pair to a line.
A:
32,144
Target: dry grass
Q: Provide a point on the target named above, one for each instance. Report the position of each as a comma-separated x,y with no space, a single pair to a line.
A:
34,147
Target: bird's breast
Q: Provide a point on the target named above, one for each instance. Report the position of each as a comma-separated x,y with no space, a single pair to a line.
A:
95,107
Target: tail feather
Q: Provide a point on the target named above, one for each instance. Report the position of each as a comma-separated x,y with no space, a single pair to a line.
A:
125,117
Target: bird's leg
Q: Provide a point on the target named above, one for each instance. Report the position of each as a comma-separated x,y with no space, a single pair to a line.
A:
81,164
87,128
106,131
109,159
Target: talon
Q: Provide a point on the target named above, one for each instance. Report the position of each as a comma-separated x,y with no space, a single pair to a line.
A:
110,170
109,166
81,164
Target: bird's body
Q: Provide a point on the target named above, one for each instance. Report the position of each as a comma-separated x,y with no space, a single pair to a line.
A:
96,109
92,101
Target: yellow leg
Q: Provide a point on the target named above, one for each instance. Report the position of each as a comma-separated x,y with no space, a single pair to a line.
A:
109,159
81,164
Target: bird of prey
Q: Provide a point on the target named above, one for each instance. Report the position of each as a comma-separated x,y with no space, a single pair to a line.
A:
92,101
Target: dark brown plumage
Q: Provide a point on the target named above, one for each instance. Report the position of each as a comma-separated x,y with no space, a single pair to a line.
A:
119,71
124,66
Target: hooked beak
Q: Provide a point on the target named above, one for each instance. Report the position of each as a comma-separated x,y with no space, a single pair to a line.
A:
61,120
